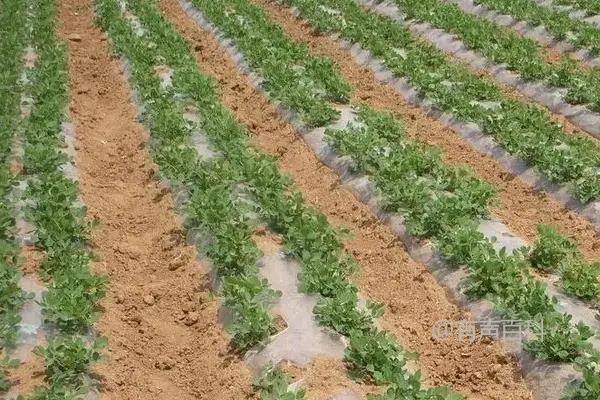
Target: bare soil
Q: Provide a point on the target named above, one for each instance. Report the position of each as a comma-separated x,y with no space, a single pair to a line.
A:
413,299
325,378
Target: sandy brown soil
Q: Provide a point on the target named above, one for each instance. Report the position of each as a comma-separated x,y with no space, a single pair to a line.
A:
326,377
28,376
160,318
413,299
519,206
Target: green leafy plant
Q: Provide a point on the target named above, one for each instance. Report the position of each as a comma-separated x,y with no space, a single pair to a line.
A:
463,244
249,297
71,302
552,249
587,388
342,314
559,340
582,280
11,301
375,357
67,359
274,385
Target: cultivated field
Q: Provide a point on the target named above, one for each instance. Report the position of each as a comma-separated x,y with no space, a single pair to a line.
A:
300,199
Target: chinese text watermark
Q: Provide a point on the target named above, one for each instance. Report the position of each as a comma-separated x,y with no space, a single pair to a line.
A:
512,329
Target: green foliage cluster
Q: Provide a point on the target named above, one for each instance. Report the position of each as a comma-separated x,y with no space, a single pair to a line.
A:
557,253
522,129
13,23
212,203
503,46
275,385
580,33
562,341
589,387
67,361
299,80
376,357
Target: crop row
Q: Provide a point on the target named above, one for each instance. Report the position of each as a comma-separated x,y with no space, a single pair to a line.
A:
591,7
13,31
372,355
504,46
70,304
556,253
444,204
522,129
580,33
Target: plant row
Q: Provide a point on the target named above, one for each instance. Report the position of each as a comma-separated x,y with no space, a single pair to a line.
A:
522,129
558,23
379,148
70,304
591,7
373,355
13,24
503,46
296,78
